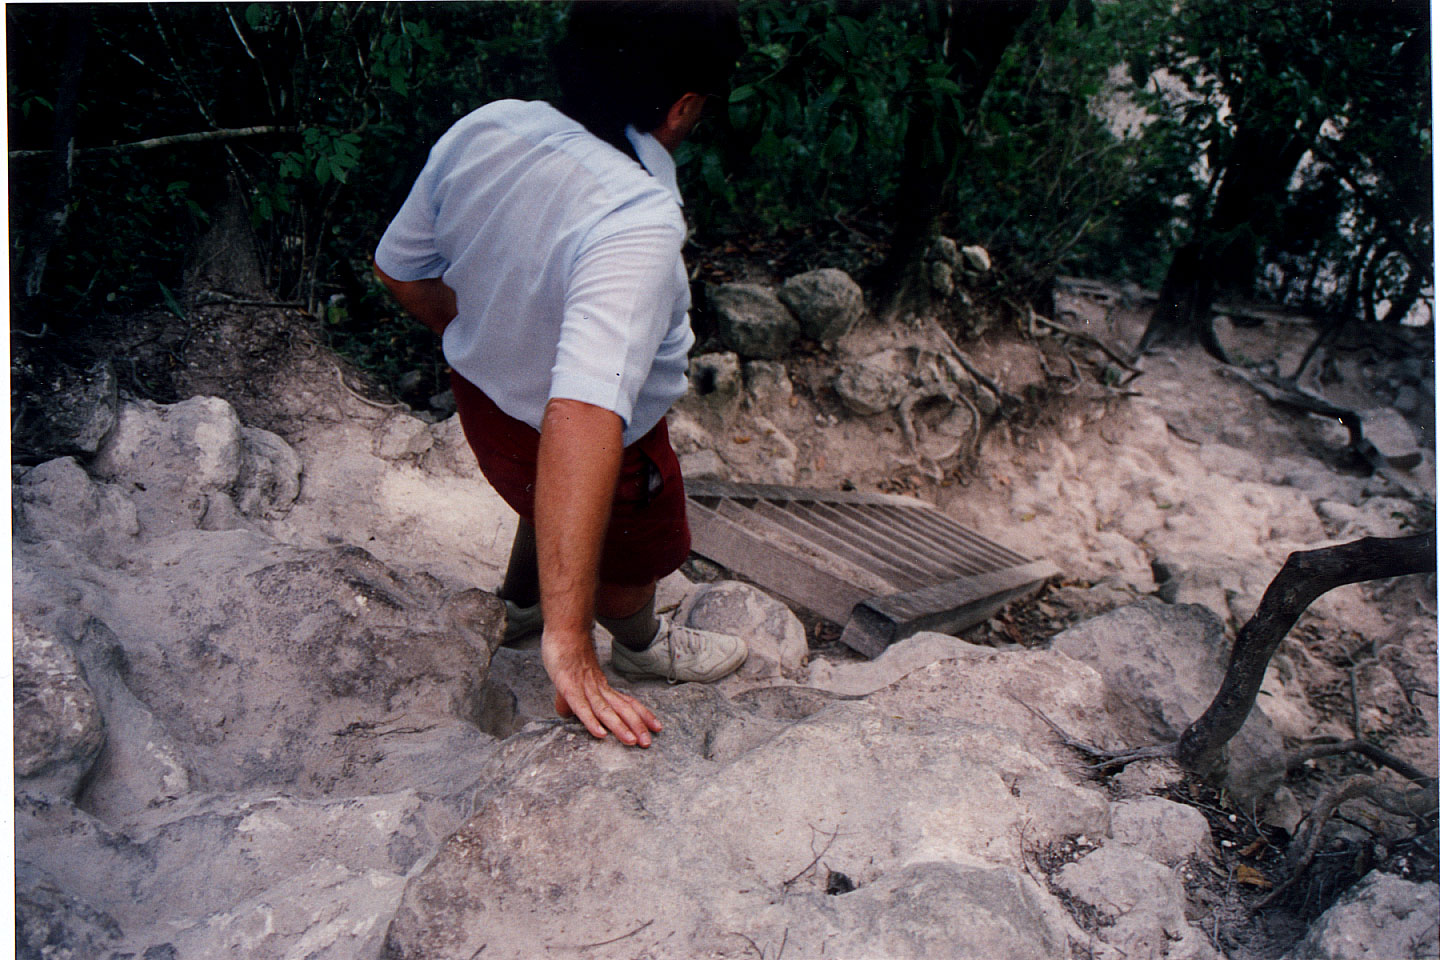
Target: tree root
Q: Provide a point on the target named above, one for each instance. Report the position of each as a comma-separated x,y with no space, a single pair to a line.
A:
1102,762
1365,748
1315,821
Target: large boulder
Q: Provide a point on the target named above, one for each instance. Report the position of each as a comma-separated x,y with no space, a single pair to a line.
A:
826,302
64,411
740,823
1162,665
193,464
1140,902
752,321
1381,916
58,726
59,501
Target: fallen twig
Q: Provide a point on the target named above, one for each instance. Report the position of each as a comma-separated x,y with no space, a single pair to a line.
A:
587,946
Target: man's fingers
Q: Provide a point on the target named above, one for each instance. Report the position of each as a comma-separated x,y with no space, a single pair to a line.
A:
628,711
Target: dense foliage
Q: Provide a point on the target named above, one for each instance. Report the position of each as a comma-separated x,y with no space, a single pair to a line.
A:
1045,169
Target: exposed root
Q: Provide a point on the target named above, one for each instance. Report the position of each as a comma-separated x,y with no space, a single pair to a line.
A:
1365,748
1309,840
1102,762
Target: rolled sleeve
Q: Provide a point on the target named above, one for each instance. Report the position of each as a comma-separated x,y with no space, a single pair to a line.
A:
621,302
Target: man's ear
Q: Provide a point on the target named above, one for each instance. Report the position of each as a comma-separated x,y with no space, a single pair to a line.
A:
679,120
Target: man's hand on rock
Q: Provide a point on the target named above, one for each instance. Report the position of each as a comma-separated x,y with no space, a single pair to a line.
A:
582,690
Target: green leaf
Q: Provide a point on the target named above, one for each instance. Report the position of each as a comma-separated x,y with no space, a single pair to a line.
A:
742,93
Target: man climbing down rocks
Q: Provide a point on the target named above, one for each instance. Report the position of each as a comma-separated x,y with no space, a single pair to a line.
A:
543,245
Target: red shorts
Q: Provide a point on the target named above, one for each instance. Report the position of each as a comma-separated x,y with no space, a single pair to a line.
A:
649,534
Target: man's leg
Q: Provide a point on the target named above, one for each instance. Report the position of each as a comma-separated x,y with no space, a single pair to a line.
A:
628,613
522,574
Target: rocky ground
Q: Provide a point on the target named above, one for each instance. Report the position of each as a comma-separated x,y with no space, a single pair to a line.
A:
261,710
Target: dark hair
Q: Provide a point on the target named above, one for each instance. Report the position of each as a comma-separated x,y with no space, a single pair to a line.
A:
627,61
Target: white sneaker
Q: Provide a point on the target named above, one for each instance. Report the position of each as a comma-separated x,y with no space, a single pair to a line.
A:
681,655
521,622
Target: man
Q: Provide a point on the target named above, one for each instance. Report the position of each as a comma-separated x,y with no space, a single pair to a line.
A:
543,245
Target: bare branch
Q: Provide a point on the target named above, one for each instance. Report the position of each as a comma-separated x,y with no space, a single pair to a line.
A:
154,143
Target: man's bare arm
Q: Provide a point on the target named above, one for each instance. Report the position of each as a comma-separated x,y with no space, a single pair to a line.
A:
576,472
430,301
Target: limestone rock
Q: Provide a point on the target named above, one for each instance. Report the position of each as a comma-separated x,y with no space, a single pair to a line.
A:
1162,665
727,811
59,501
1162,829
945,250
766,381
403,437
826,302
869,387
192,464
975,259
775,636
703,465
269,479
753,322
1143,902
51,924
715,376
58,726
73,416
1381,916
1392,436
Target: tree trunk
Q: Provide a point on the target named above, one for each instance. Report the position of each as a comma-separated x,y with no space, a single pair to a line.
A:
1223,255
976,36
49,222
1304,577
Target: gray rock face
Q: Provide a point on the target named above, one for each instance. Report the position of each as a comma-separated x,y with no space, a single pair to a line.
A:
1163,830
753,322
59,501
1162,665
826,302
1141,901
58,726
674,854
192,464
1381,916
767,381
171,680
75,418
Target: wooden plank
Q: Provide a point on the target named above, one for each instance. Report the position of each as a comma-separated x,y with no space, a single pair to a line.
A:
952,607
953,537
731,545
948,561
717,489
876,537
811,513
835,544
863,575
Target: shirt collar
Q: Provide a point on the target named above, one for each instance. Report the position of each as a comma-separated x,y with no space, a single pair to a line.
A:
656,159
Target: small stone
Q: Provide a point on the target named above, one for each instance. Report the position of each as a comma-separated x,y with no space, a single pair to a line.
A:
703,465
752,321
977,259
826,302
715,375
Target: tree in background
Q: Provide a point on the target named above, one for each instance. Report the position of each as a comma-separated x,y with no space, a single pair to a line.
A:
1286,148
1331,94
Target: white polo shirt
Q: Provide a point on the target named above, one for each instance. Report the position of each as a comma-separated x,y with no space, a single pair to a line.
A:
564,256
